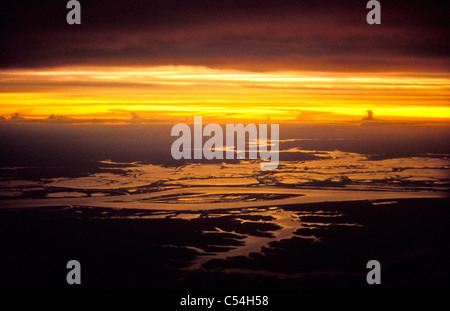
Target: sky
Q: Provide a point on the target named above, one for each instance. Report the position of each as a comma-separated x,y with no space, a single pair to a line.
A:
287,60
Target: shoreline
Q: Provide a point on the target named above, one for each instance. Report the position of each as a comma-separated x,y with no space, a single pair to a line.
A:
152,200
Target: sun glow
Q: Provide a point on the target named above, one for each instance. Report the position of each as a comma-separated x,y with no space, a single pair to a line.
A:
183,91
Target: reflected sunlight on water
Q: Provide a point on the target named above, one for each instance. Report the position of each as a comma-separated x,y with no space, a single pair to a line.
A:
332,175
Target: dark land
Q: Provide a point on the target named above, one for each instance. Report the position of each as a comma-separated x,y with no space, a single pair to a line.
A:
125,249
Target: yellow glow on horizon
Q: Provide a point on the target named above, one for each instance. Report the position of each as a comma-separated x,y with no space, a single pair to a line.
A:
166,92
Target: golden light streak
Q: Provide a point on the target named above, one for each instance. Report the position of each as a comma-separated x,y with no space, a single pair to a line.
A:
165,92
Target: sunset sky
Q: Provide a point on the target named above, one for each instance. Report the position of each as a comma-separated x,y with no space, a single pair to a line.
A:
287,60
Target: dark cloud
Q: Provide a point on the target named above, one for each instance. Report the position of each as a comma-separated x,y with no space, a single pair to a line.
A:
257,35
369,116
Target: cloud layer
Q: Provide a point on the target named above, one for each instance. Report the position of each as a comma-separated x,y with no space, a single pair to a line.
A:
252,35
